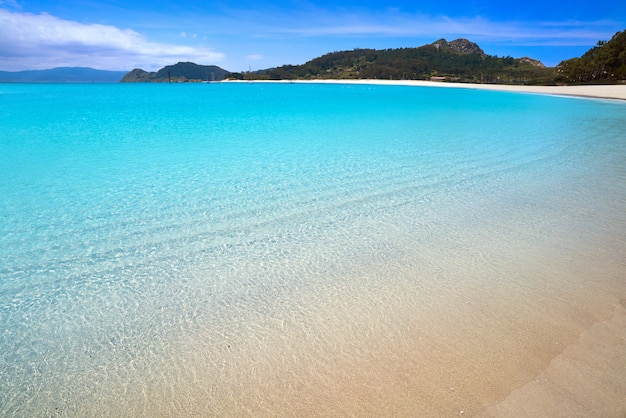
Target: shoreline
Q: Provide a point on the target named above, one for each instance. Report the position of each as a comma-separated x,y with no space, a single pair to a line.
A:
603,91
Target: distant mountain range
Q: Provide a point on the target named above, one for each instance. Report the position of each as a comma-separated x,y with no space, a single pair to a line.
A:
62,75
458,60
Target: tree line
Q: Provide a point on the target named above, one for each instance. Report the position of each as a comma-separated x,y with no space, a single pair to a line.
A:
420,63
604,63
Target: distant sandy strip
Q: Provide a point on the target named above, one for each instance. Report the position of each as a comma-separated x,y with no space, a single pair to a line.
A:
613,91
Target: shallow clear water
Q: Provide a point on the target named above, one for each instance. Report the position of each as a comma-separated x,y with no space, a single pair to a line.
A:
252,248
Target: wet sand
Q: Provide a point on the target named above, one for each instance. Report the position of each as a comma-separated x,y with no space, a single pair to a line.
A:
544,341
585,379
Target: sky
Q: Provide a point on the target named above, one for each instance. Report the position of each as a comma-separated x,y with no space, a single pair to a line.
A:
247,35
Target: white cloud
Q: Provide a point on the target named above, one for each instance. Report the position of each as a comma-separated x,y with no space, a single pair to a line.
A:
36,41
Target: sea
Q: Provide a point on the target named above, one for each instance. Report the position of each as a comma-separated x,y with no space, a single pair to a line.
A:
287,249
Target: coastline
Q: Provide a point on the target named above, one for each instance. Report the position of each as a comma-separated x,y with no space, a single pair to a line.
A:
609,91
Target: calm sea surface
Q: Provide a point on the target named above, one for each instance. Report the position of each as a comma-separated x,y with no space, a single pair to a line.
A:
257,249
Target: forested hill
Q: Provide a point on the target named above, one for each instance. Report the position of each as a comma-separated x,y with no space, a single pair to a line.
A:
183,71
458,60
606,62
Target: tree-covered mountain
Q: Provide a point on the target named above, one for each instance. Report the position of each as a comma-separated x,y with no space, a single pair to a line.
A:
62,75
183,71
458,60
606,62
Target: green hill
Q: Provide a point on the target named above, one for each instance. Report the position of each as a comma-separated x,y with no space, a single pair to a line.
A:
458,60
604,63
181,72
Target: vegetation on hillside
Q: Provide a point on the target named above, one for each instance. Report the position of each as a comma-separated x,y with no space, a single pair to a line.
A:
606,62
181,72
459,60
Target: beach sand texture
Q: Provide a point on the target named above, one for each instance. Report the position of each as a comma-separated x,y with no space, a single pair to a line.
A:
612,91
530,355
484,348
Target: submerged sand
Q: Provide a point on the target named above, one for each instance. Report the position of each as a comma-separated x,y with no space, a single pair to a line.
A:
548,340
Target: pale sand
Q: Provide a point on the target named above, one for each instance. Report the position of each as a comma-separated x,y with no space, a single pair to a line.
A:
586,379
614,91
554,348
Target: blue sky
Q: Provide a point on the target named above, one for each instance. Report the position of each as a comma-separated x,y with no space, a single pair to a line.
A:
243,34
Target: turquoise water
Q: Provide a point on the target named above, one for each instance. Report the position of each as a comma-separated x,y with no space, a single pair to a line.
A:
195,248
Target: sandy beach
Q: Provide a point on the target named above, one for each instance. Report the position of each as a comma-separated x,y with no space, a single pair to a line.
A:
613,91
565,367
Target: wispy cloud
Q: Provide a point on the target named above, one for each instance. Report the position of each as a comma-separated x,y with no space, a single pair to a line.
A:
42,41
393,23
31,41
